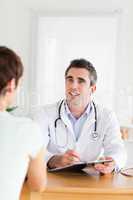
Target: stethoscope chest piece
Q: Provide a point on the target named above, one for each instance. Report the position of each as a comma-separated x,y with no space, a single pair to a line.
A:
94,135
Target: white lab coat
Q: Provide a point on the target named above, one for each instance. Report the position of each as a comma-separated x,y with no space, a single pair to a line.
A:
63,138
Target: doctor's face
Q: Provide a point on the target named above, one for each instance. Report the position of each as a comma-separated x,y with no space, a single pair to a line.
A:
78,88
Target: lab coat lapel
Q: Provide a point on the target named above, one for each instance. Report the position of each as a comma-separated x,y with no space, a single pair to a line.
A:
66,120
87,129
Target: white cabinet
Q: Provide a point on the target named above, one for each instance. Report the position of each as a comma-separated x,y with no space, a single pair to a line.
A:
129,149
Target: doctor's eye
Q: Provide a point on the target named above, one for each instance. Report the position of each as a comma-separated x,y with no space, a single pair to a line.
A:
69,79
81,80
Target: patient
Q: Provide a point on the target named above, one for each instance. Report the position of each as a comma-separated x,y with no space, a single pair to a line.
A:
21,146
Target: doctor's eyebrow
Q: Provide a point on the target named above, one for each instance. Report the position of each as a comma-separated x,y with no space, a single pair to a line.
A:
80,79
69,77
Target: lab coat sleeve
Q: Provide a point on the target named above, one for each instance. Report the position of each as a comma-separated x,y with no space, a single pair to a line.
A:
42,119
113,144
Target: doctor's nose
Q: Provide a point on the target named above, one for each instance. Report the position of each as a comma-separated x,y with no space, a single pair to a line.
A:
74,85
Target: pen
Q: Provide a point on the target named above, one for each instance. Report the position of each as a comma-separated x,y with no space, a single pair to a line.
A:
73,154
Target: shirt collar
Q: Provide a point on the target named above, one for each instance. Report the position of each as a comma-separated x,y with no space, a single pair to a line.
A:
2,113
86,112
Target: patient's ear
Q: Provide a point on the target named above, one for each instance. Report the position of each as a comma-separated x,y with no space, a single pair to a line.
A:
11,85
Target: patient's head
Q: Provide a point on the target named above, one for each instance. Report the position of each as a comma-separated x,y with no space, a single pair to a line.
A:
11,70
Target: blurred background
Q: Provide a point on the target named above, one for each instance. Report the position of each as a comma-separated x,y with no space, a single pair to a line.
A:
48,34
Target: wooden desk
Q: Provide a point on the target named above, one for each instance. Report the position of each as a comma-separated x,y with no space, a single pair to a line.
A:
76,186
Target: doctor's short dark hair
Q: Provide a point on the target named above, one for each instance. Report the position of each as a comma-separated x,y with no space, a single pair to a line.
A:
84,64
10,67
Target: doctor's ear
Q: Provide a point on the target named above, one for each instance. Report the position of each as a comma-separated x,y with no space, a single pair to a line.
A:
93,88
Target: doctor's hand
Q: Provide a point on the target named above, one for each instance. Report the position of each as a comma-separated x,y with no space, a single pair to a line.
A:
69,157
105,168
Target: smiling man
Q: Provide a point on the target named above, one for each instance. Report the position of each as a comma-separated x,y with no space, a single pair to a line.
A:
78,90
76,128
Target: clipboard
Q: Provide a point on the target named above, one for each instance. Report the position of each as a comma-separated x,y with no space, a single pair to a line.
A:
77,167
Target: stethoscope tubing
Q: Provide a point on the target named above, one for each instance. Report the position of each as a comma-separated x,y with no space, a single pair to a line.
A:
94,134
59,115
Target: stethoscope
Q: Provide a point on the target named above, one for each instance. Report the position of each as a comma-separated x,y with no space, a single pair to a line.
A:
94,134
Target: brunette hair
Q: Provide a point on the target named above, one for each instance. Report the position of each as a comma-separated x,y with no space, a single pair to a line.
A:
10,67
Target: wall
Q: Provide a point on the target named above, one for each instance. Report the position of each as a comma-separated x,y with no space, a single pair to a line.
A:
62,39
16,19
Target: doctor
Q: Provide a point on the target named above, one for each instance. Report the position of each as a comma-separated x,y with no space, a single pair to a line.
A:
77,129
